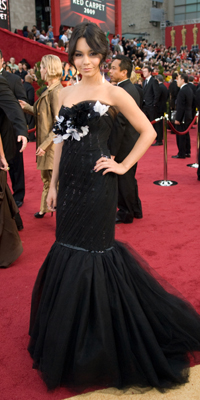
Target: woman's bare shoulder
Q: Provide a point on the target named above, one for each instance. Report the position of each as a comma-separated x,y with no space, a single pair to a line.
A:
65,93
117,95
116,90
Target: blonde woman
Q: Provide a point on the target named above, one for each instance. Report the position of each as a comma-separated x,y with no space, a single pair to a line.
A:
45,110
134,81
133,77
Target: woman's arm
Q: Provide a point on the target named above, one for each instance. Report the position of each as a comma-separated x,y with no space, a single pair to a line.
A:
52,195
27,108
128,107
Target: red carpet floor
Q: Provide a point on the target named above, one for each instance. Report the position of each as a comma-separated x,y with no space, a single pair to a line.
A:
167,237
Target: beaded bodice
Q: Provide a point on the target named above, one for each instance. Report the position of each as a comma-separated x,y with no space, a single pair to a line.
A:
84,195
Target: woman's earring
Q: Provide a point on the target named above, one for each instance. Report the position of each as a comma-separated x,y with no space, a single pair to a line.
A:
103,78
77,81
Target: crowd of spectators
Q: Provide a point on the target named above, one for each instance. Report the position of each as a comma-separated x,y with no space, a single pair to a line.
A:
21,69
162,60
24,70
41,36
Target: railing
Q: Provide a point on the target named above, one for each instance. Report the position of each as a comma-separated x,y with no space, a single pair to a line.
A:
166,121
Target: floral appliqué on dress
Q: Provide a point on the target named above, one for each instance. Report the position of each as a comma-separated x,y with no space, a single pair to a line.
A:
74,124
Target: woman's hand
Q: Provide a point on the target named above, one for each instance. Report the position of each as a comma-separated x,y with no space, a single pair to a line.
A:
22,139
40,152
3,163
52,199
22,103
109,165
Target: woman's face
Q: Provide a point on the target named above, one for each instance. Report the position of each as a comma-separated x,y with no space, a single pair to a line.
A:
85,59
43,71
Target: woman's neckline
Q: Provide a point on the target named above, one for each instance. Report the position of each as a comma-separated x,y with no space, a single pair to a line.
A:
86,101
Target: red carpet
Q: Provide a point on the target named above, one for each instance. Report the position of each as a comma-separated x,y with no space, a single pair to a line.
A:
167,237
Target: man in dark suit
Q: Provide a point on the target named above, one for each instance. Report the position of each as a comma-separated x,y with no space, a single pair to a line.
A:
20,72
183,115
140,91
173,92
10,110
16,163
30,93
122,139
161,109
194,88
151,94
198,105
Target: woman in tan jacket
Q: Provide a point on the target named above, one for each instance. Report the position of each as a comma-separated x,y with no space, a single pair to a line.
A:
45,110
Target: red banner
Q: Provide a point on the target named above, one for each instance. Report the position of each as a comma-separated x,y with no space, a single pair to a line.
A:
102,12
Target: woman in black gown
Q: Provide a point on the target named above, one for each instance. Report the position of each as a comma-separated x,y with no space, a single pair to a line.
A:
98,315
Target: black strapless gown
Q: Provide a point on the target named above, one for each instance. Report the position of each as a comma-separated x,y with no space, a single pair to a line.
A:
99,316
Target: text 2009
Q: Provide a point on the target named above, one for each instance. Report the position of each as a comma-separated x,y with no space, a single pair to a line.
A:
89,11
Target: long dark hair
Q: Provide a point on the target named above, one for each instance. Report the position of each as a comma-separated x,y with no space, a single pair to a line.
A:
94,37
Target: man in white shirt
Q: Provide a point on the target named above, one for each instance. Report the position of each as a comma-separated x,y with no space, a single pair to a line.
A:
64,38
12,64
149,53
43,38
69,33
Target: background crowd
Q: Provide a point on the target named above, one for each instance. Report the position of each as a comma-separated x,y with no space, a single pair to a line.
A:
161,59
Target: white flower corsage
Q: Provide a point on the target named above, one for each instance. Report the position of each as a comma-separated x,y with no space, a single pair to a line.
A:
72,126
100,108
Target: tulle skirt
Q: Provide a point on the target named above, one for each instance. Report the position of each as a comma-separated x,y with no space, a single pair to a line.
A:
101,318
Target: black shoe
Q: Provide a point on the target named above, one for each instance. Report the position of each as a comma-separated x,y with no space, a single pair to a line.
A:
38,215
138,215
157,144
19,222
188,155
177,156
19,203
121,221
